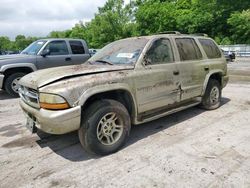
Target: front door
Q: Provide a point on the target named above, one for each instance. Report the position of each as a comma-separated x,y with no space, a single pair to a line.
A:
157,84
58,55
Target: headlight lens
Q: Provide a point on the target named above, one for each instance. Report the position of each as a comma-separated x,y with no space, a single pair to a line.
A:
52,102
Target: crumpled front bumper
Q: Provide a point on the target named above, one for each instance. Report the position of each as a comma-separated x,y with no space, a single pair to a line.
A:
54,122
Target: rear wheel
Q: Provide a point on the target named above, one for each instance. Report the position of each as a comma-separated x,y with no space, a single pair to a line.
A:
212,97
11,85
105,127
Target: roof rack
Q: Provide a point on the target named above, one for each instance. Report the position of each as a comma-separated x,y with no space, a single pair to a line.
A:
170,32
201,34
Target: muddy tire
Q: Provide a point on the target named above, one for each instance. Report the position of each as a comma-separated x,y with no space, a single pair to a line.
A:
10,84
105,127
212,97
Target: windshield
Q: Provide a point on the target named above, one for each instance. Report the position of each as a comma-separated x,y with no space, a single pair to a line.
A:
33,48
120,52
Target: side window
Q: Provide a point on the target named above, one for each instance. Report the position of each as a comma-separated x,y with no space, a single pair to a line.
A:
57,48
210,48
160,52
77,47
188,49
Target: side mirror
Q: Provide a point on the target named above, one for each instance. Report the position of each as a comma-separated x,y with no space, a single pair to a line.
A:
45,52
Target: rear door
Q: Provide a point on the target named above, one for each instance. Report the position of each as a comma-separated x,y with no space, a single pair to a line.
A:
157,84
79,51
59,55
192,66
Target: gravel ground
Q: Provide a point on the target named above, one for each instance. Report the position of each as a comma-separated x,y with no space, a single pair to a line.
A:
192,148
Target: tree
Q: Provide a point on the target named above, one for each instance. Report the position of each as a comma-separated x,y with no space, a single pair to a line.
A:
240,27
189,16
112,22
5,43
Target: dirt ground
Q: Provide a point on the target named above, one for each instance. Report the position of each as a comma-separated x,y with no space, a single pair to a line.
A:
192,148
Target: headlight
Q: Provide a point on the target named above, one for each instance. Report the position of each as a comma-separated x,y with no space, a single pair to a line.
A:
52,102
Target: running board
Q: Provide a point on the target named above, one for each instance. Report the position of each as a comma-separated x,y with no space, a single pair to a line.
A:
168,112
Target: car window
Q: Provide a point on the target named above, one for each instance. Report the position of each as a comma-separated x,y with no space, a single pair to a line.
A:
210,48
77,47
188,49
121,52
160,52
34,48
57,48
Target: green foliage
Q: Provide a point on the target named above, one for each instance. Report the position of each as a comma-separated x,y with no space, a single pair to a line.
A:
194,16
227,21
112,22
240,26
20,42
5,43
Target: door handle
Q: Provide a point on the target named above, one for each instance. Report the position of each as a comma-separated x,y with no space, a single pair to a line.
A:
67,59
176,72
206,68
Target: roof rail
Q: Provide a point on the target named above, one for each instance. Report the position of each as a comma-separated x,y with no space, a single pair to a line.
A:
170,32
200,34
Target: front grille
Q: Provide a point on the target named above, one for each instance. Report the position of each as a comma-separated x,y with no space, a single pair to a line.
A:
29,96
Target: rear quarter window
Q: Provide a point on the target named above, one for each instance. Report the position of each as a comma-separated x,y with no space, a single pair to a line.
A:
210,48
77,47
188,49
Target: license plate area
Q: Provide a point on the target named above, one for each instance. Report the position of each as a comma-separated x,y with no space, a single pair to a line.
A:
31,124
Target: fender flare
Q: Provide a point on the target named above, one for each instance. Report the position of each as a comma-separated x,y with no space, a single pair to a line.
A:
18,65
105,88
216,71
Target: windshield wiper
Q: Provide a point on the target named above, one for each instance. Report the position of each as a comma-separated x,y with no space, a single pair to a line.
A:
103,61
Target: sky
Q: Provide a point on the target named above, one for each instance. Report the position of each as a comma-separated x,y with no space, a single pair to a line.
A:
40,17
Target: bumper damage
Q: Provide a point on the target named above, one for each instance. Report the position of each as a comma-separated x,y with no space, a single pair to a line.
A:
54,122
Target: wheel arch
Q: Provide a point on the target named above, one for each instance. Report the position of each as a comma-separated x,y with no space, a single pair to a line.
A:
8,70
120,93
215,74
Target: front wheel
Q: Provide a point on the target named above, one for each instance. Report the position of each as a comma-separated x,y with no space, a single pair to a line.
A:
11,85
212,97
105,127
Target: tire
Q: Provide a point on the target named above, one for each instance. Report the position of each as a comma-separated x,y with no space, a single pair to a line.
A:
108,119
10,84
212,97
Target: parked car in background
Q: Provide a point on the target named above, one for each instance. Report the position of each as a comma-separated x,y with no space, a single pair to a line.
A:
2,52
130,81
41,54
229,55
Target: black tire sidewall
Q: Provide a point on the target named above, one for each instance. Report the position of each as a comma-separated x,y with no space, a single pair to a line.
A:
206,103
8,82
91,142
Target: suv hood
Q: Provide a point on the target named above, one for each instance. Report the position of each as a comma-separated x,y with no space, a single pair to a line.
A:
44,77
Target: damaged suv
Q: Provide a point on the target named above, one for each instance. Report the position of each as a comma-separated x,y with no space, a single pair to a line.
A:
130,81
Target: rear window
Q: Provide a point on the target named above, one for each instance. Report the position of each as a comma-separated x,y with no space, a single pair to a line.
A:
188,49
77,47
210,48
